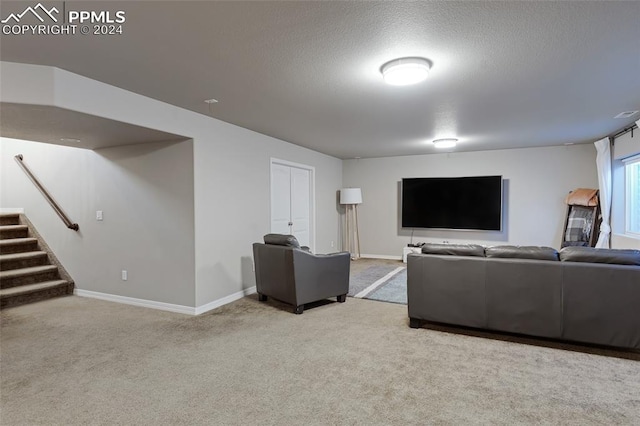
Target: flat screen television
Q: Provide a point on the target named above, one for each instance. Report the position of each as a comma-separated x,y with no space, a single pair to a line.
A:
473,203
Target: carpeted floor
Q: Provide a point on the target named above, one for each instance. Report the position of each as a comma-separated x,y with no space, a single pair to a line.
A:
77,361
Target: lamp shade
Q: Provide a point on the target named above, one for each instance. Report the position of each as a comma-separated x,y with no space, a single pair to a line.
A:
350,196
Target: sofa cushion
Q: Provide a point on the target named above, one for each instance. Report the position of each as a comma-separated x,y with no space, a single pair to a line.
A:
281,240
522,252
454,249
599,255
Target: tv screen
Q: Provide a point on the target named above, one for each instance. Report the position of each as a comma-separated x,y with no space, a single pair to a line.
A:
453,203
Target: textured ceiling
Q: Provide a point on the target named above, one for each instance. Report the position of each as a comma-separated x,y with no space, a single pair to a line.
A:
505,74
60,126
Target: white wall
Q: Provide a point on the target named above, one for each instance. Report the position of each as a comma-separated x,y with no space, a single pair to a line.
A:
146,195
232,176
230,171
536,182
624,146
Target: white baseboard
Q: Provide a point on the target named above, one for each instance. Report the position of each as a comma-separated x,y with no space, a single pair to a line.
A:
380,256
228,299
181,309
9,210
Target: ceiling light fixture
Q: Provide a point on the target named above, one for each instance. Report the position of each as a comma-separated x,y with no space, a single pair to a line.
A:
405,71
445,143
70,140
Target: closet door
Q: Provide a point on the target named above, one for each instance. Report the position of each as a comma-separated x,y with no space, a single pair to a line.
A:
300,205
280,199
291,202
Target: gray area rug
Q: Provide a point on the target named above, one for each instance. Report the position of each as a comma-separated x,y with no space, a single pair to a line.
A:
393,290
387,283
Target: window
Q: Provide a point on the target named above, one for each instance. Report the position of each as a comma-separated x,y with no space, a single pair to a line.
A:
632,196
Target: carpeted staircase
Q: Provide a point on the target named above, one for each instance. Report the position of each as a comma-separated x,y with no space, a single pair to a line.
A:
27,273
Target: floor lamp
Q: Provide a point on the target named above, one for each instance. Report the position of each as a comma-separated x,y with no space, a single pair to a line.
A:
351,197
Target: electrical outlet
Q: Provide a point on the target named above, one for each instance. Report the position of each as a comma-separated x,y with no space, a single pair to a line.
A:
99,215
124,275
333,244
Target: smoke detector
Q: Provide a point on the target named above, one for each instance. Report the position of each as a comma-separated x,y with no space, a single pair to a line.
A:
626,114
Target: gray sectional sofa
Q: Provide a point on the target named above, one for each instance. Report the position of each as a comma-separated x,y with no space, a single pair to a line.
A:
579,294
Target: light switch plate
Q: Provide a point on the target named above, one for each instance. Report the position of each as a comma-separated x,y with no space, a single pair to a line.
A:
99,215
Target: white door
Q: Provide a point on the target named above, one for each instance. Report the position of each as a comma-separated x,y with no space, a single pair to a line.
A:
300,204
291,202
280,199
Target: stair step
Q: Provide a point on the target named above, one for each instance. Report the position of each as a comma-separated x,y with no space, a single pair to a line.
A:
25,289
13,231
25,276
18,245
9,219
22,260
34,292
9,227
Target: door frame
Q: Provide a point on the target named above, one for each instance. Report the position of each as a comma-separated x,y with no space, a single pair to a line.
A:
312,195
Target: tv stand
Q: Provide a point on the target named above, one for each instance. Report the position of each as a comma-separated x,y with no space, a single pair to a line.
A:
407,250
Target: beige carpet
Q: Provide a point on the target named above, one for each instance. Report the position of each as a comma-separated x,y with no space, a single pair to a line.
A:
74,361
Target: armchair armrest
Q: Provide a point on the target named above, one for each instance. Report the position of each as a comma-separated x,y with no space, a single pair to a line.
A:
319,276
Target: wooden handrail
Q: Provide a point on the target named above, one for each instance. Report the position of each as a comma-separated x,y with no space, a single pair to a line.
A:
46,194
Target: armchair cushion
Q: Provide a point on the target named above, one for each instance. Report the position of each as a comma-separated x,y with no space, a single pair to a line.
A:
281,240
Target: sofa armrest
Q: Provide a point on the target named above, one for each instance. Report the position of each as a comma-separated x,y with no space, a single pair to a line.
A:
600,304
448,289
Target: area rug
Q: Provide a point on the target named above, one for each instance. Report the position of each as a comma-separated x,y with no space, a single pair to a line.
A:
386,283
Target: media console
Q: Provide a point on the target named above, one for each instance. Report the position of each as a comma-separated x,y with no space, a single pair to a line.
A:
408,250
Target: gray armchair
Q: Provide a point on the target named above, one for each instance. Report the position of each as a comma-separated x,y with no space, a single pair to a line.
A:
294,275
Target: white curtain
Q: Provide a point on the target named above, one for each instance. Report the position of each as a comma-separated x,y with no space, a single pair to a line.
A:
603,161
